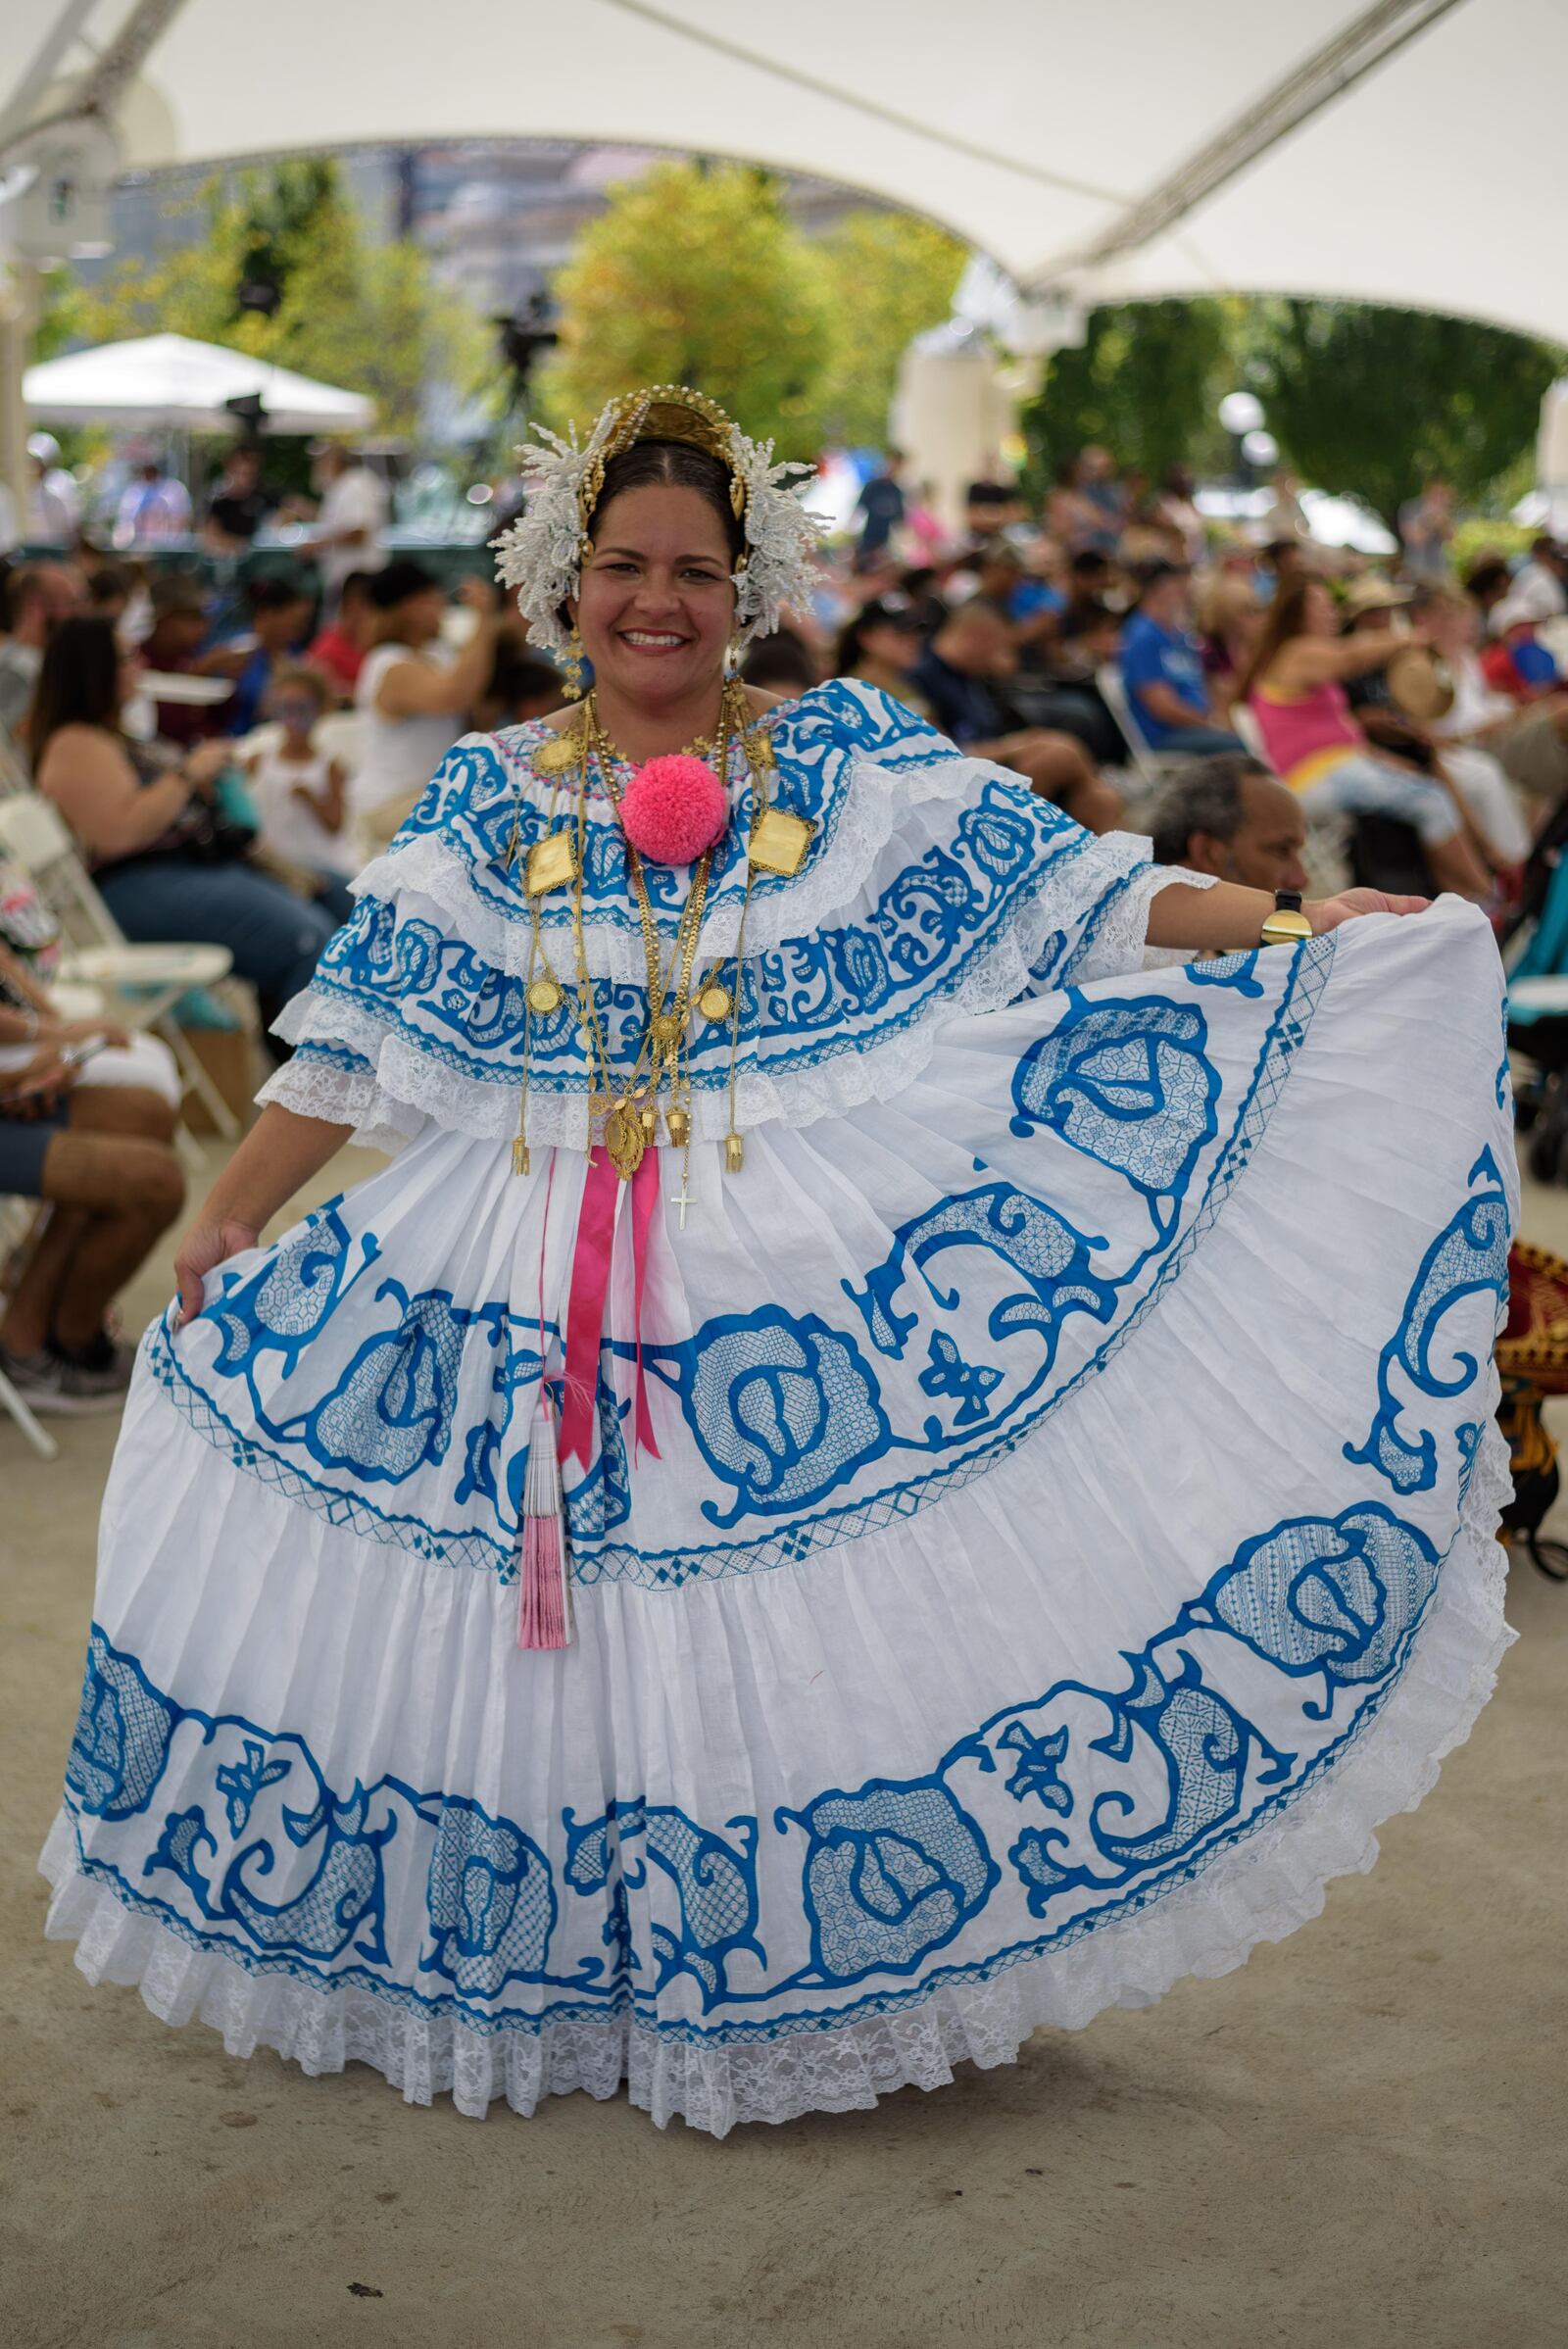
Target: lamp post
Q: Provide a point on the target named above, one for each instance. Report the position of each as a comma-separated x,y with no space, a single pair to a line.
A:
1241,414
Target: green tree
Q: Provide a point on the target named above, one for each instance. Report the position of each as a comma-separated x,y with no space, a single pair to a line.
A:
693,275
1145,383
370,317
887,276
1366,398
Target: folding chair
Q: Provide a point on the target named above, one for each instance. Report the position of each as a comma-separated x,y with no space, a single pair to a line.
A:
145,981
15,1222
1146,764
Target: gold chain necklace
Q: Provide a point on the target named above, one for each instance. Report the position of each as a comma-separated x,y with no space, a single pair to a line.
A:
630,1103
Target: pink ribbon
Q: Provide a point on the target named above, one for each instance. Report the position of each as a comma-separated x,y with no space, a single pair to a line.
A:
590,1284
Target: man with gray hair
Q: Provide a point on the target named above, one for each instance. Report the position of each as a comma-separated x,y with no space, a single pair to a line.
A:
1229,816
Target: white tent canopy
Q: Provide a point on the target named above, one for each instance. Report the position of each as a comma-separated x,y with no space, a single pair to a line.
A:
167,381
1133,148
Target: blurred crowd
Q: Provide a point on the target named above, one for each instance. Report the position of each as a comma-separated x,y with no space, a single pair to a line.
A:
229,742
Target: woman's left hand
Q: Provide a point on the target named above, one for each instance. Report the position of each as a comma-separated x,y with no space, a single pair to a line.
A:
1327,914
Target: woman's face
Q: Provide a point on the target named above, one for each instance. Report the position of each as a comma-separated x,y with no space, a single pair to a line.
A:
656,604
896,649
1318,614
417,620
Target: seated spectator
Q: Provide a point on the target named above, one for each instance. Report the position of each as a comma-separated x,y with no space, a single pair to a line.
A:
1089,637
101,1156
301,793
1107,499
958,674
990,506
1295,690
414,699
520,687
1368,608
1486,742
38,595
1072,521
1163,670
238,505
176,646
1517,662
1229,816
1177,509
883,643
280,614
109,594
1539,592
1030,603
783,662
338,650
1230,619
168,866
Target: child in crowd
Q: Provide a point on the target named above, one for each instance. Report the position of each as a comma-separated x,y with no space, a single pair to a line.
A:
299,788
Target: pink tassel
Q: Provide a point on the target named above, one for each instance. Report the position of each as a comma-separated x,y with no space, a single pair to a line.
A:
544,1604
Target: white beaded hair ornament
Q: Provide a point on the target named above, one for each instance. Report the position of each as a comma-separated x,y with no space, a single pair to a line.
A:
541,555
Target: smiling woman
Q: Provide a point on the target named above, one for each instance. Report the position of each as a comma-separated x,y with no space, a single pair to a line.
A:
998,1536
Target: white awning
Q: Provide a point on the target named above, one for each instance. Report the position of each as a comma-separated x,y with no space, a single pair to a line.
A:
166,381
1409,152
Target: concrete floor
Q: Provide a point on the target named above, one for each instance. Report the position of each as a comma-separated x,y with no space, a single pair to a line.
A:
1349,2144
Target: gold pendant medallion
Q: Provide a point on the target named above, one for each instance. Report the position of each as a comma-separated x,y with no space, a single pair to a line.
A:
623,1140
544,996
716,1002
666,1028
779,842
552,864
555,753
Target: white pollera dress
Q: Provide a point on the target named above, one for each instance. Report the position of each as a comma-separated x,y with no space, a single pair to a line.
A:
1071,1530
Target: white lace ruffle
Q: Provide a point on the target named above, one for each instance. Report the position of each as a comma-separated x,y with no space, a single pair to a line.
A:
1262,1890
387,1102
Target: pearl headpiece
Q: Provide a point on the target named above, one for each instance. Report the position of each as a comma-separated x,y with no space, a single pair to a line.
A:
541,554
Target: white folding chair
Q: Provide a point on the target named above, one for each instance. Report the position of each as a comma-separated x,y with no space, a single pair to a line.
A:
1118,701
15,1222
145,981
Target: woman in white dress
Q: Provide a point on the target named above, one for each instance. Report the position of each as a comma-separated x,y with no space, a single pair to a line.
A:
874,1475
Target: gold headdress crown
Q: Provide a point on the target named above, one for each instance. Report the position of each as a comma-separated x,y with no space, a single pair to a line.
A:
663,411
541,554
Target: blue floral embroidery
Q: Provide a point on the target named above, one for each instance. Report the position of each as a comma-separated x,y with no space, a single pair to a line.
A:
1098,1799
1468,1259
1129,1084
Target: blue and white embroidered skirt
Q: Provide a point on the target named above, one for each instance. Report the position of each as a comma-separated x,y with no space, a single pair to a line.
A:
1072,1535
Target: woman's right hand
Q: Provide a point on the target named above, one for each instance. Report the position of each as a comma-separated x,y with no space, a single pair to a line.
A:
206,1244
34,1089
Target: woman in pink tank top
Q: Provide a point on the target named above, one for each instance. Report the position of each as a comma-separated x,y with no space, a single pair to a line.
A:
1295,691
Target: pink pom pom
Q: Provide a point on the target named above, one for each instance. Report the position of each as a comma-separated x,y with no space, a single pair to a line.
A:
673,808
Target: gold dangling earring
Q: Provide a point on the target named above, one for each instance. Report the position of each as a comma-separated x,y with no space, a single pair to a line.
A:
572,664
732,659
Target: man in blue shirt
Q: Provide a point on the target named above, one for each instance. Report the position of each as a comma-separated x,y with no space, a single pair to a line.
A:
1163,670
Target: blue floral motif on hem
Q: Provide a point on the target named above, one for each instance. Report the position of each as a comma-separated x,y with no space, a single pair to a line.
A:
1469,1258
890,1872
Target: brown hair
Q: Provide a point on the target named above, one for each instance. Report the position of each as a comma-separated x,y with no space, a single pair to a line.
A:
1284,619
650,462
79,683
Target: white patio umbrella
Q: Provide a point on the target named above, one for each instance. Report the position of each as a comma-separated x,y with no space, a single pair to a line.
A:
168,382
